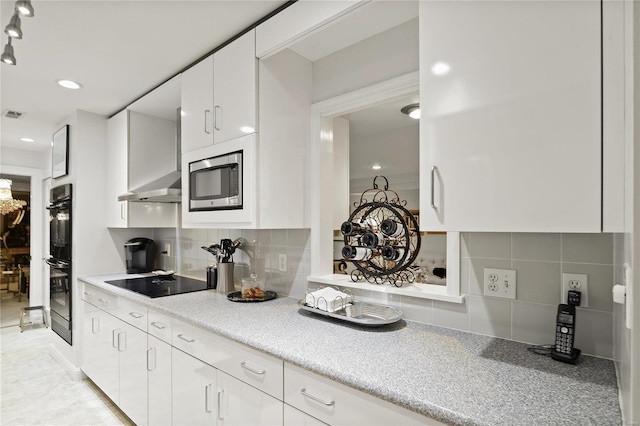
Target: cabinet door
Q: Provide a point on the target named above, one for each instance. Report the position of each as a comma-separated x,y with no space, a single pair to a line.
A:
132,348
159,380
193,387
293,417
241,404
510,136
197,106
234,89
99,350
117,170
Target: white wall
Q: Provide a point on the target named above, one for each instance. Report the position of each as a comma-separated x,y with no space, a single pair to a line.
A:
24,158
389,54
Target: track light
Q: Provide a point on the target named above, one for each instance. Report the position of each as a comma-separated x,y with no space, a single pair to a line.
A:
13,29
7,56
25,8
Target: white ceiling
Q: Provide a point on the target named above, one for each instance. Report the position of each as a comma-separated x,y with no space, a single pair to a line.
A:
118,50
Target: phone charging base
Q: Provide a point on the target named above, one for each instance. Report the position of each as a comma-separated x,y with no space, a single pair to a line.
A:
571,358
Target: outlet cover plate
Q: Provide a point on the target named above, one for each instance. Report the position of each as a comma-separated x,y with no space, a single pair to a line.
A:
500,283
578,282
282,262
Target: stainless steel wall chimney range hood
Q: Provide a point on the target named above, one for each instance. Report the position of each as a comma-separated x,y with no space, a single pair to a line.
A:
154,159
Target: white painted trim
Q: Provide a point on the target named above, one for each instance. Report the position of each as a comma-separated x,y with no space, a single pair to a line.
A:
322,198
74,372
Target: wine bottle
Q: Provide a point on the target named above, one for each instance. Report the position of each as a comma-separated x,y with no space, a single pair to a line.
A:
353,228
391,228
372,239
392,252
356,253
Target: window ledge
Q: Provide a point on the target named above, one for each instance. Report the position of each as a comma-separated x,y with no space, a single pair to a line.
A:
423,291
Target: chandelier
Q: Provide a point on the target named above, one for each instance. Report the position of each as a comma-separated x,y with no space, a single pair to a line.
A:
7,202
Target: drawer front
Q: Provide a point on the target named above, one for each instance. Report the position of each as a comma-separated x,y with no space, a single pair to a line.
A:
132,313
159,325
258,369
194,341
335,403
99,298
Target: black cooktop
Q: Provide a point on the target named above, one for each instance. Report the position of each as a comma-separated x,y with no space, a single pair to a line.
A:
159,286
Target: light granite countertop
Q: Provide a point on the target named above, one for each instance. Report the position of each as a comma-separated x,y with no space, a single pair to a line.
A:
452,376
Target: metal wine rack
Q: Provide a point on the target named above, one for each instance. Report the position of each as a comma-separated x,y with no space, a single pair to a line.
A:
384,204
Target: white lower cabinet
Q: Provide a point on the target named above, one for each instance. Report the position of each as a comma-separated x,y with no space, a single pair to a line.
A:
159,381
241,404
115,359
334,403
193,386
294,417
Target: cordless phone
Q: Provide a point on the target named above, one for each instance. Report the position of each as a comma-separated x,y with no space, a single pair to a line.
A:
565,334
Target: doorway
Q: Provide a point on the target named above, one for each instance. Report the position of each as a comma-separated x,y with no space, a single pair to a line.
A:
15,247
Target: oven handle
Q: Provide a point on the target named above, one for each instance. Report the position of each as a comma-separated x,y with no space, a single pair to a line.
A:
57,264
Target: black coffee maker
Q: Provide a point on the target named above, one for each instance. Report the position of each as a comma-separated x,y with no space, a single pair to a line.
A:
140,255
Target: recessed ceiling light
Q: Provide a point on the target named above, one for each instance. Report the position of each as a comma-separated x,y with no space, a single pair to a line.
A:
440,68
376,167
412,111
69,84
27,140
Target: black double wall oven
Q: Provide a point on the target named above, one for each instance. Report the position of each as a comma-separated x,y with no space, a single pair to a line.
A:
60,294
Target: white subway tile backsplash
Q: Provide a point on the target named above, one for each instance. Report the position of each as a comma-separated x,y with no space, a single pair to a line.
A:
587,248
533,323
416,309
594,332
538,282
490,316
531,246
297,238
465,271
451,315
490,244
279,237
464,244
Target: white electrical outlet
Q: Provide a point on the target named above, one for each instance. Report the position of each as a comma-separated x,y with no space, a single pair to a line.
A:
579,282
282,263
500,283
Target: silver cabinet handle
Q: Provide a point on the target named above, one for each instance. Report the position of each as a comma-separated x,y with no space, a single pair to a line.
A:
220,392
114,333
217,122
136,315
151,351
158,325
95,325
246,367
207,112
122,215
122,341
433,187
104,301
186,339
86,293
207,391
303,391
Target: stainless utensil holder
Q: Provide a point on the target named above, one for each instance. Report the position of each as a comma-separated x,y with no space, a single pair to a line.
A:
225,277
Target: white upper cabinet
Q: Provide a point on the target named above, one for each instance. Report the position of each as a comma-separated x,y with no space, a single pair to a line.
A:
117,170
510,136
234,89
197,106
219,95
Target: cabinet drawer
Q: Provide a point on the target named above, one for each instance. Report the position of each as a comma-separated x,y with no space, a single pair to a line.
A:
159,325
335,403
258,369
195,341
100,298
132,313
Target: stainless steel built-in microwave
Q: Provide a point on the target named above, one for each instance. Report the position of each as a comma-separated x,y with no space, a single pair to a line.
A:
216,183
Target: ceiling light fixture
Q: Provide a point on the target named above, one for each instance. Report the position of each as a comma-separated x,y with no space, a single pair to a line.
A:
13,29
412,111
27,140
8,56
69,84
440,68
7,202
25,8
376,167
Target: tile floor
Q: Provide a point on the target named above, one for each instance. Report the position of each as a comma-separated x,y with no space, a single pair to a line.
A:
10,308
35,389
